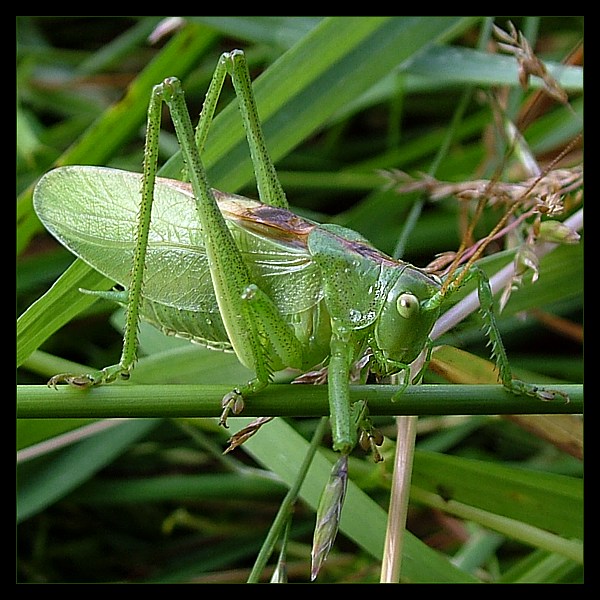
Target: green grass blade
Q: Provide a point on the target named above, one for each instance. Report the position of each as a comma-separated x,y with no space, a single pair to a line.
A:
545,500
543,567
338,60
43,482
534,536
58,306
281,449
277,31
452,65
120,122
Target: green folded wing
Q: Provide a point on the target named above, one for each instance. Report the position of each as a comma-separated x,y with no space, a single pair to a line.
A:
93,212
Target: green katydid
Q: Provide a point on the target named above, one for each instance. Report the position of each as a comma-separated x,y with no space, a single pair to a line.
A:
248,276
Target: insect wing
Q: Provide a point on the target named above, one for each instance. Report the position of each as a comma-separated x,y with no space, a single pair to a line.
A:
93,212
273,242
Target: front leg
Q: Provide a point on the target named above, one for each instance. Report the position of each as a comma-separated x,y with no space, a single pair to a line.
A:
515,386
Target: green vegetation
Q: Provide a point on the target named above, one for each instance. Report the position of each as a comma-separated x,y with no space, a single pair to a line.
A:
153,499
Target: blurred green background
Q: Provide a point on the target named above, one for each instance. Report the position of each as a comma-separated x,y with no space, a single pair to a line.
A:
341,99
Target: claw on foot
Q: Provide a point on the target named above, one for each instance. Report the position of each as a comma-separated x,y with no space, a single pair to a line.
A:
83,381
233,402
370,440
521,388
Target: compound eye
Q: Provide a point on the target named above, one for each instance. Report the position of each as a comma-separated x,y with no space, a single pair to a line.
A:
408,305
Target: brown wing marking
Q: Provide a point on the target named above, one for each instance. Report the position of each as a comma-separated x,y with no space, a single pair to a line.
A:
279,223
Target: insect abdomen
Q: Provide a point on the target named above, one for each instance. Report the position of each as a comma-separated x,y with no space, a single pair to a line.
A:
206,329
